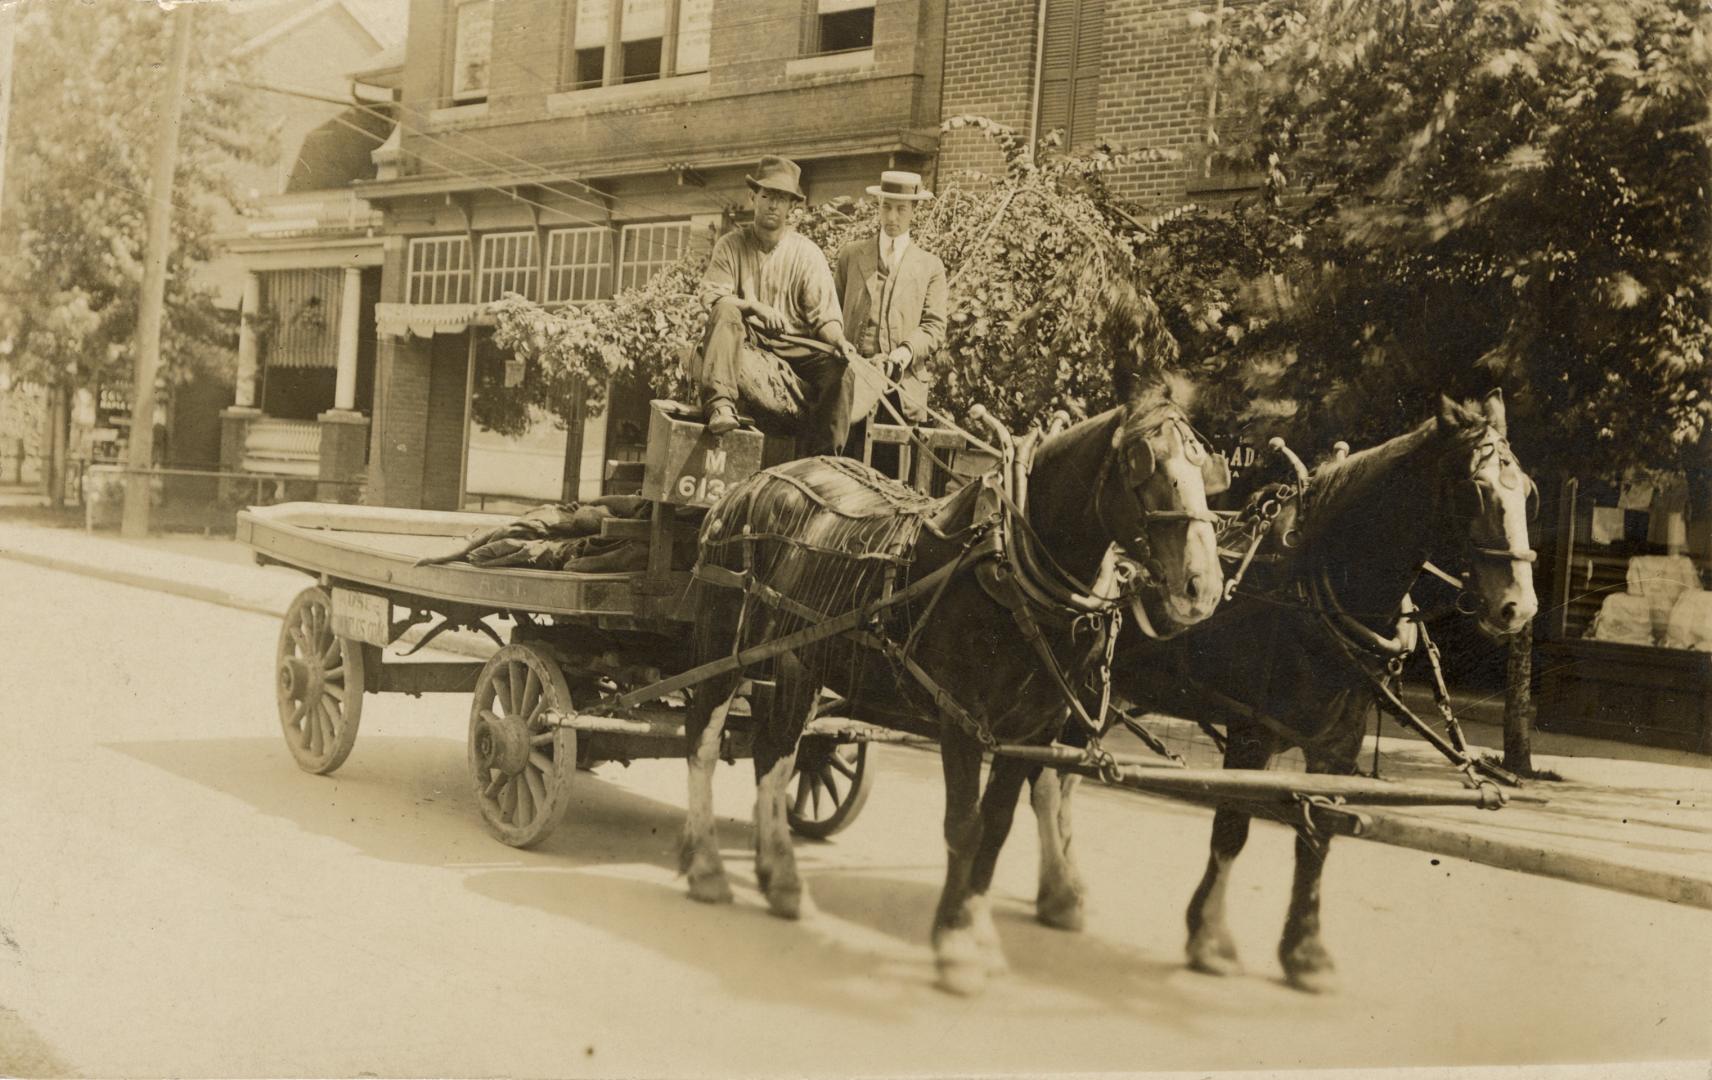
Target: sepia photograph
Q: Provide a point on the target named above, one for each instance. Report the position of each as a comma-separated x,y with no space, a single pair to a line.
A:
862,538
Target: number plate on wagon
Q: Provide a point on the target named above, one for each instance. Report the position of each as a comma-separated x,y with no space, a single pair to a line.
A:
363,616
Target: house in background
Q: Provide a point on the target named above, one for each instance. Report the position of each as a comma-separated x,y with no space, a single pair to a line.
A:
303,266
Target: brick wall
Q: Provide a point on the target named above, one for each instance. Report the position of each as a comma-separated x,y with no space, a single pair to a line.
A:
401,426
443,449
989,71
1153,86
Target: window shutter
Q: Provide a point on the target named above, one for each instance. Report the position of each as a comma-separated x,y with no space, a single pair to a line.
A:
1070,69
1058,61
1085,82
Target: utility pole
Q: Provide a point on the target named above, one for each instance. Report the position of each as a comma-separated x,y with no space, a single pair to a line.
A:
146,344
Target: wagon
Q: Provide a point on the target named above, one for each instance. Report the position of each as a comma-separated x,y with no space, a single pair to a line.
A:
570,638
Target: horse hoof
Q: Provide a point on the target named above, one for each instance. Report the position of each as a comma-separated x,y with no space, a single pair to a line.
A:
1312,980
710,888
1061,913
1213,957
1309,969
965,978
789,902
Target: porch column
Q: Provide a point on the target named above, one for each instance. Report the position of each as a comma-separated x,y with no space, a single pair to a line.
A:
350,311
246,388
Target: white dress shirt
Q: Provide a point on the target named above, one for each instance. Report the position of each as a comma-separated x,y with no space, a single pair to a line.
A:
892,249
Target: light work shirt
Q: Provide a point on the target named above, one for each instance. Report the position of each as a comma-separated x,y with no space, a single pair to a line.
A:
794,278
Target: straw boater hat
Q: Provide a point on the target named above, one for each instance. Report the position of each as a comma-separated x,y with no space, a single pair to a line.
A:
901,185
777,174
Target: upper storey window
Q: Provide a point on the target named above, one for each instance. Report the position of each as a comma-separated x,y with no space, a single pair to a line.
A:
472,51
844,25
628,41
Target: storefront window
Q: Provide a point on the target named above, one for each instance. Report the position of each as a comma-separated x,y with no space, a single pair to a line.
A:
517,450
1638,564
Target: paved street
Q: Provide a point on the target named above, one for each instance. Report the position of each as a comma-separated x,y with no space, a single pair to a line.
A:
177,898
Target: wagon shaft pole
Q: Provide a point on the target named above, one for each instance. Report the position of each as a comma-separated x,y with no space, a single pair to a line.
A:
1220,786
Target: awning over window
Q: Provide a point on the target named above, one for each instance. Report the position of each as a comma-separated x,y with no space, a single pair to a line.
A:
426,320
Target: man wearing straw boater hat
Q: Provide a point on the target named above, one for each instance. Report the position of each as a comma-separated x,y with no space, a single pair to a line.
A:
764,284
893,293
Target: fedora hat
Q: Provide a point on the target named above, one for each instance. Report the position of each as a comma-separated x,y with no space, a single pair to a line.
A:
900,185
777,174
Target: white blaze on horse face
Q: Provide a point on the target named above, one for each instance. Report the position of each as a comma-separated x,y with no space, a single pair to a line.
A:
1187,550
1506,586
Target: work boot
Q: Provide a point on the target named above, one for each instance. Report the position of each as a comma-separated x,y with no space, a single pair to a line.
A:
721,418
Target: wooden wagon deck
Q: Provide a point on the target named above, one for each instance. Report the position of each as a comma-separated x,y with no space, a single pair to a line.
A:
379,547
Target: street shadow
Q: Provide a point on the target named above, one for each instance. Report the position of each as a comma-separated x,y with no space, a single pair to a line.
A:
1115,976
408,800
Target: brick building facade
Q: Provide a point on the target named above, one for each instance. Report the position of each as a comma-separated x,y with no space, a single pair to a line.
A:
1133,73
549,148
567,148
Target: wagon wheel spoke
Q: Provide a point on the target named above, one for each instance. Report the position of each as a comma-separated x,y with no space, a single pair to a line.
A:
537,787
801,805
544,738
540,761
334,674
814,787
329,724
334,691
531,697
826,778
524,804
330,655
495,784
837,761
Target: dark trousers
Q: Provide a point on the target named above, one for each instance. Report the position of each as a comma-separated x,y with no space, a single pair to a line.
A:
798,390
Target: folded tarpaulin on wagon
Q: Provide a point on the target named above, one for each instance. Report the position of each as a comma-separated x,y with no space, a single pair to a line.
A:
426,320
559,536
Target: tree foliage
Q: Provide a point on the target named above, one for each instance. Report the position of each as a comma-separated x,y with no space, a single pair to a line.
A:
82,125
1047,296
1486,192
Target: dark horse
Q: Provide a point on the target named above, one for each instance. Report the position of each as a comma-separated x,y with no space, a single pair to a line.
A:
1291,658
992,566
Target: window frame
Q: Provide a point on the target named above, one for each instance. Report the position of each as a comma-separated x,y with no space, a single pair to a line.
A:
815,32
454,96
527,270
604,268
613,43
439,280
623,281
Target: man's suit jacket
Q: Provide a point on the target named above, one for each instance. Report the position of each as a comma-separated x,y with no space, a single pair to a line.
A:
913,309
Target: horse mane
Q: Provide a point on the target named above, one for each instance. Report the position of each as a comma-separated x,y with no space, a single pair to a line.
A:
1336,486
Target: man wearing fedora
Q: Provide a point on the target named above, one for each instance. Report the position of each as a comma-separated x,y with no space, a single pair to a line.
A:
765,279
893,293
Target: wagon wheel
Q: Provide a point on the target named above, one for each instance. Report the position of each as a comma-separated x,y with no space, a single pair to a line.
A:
521,767
319,684
832,783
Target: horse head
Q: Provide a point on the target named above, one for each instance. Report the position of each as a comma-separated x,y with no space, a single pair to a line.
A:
1488,501
1159,517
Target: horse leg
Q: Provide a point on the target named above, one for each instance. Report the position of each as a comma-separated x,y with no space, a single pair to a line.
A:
1211,949
998,808
698,852
776,738
963,920
1307,964
1059,902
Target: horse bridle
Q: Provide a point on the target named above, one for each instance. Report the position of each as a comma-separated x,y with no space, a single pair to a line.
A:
1494,445
1135,452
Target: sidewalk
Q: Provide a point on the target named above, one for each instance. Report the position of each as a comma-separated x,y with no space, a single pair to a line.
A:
1627,817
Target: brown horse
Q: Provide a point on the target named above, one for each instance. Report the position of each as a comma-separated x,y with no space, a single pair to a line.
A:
1013,603
1291,658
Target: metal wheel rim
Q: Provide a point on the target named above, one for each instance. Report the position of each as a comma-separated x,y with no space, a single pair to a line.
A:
515,688
318,685
829,791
